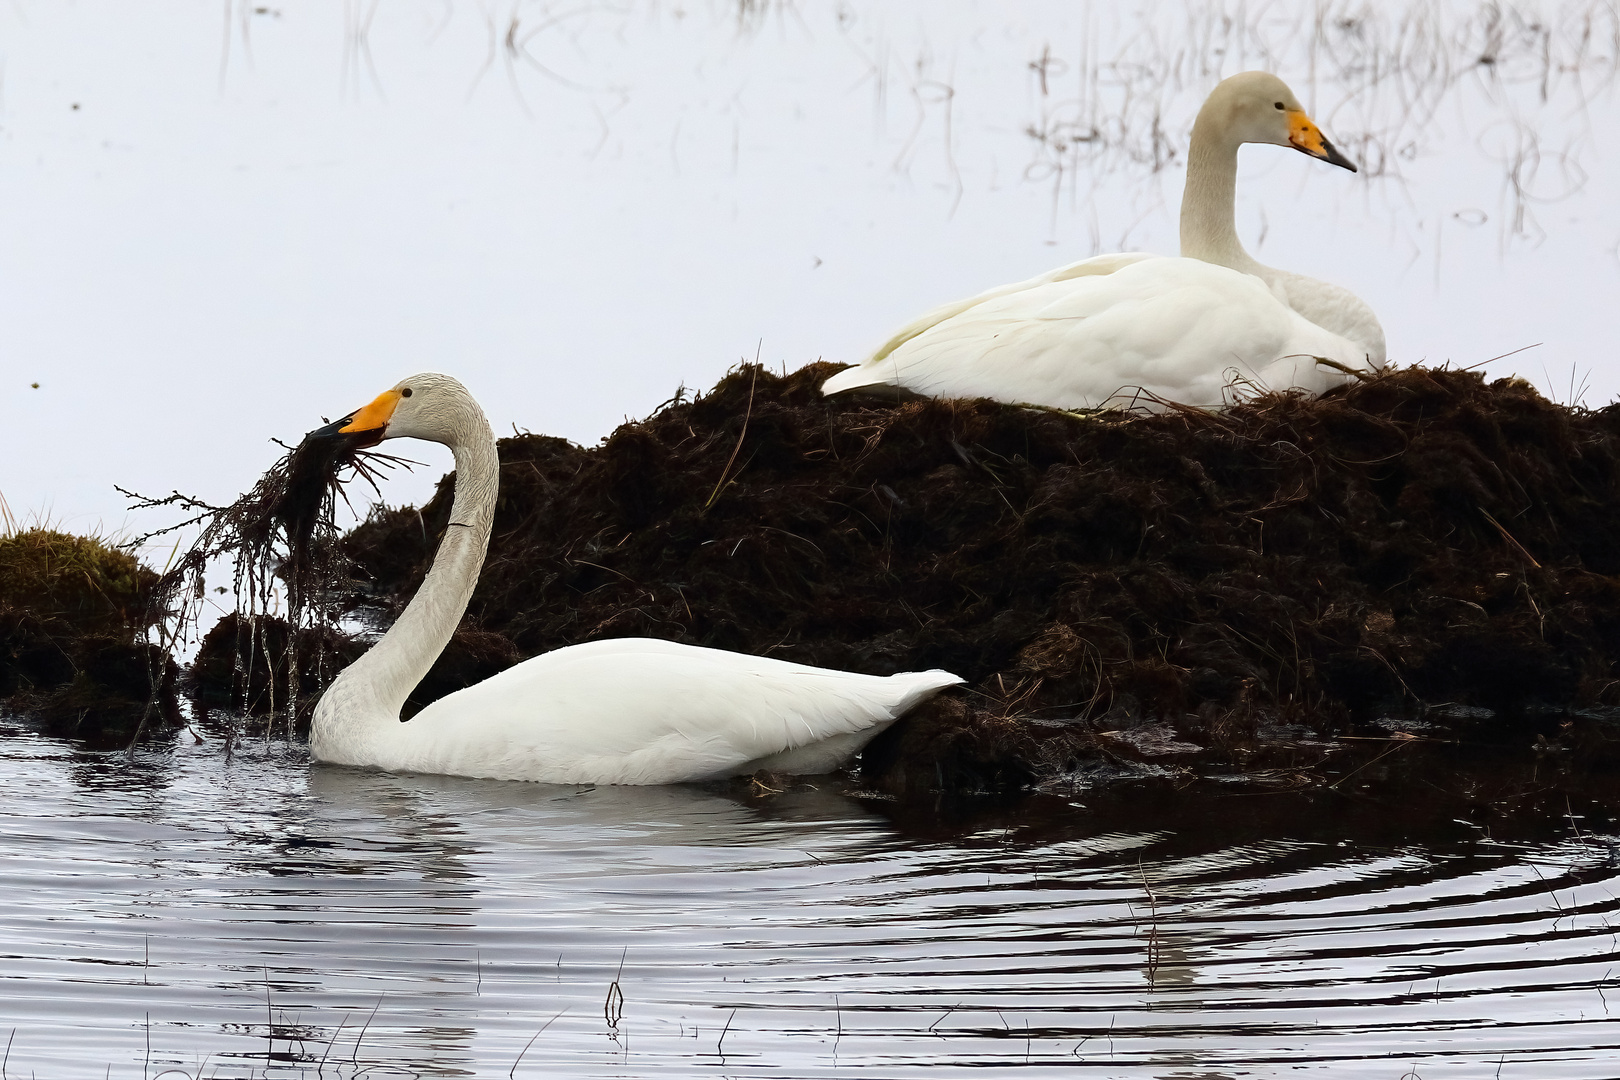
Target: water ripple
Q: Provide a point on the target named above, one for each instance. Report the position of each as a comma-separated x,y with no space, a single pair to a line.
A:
257,916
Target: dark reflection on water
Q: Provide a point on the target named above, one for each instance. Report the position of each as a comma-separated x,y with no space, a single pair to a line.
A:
265,916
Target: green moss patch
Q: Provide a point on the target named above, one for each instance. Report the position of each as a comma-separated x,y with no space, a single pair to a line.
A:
73,616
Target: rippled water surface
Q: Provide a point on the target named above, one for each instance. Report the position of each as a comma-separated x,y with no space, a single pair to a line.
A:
262,917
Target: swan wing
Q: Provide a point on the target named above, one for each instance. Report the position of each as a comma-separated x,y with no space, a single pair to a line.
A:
871,371
1335,309
641,711
1153,329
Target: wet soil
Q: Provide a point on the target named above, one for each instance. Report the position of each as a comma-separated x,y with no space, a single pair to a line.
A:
1422,557
254,663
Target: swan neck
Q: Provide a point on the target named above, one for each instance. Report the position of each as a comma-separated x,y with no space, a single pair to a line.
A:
367,697
1208,228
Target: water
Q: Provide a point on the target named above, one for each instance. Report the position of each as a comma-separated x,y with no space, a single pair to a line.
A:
252,215
260,917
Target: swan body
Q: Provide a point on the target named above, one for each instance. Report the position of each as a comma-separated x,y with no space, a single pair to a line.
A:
619,711
1113,332
1141,330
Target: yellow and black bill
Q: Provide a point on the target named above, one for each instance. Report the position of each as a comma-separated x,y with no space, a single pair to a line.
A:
1307,138
366,426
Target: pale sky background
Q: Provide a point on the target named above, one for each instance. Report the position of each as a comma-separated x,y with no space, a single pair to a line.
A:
221,222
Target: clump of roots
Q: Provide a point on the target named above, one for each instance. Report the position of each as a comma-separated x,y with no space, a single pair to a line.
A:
281,644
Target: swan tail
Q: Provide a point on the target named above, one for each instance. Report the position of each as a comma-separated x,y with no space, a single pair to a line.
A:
832,752
919,686
868,376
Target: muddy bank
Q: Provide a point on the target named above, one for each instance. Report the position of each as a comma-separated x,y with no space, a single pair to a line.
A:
1425,554
253,665
74,612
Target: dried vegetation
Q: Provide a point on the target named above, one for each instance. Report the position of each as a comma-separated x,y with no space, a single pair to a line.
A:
280,646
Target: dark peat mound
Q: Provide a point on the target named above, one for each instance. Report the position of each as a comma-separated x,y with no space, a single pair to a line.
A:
74,612
1287,592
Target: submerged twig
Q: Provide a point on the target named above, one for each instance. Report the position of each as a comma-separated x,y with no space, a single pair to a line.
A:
721,1042
354,1057
613,1007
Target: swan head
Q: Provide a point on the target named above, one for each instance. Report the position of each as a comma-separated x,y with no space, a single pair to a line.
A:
1258,107
426,406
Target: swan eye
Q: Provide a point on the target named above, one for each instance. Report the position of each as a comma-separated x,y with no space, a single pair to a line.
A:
1279,105
405,392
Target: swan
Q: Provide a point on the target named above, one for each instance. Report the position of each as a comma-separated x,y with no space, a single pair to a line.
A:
1142,330
621,711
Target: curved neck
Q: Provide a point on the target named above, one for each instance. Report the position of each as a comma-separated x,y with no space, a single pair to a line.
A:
1208,231
373,689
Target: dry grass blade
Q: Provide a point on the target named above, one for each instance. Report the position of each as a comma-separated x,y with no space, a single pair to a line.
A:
513,1070
1512,543
725,472
1364,376
354,1056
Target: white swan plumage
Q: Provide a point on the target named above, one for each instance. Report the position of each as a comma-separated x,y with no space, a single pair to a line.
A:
1140,330
618,711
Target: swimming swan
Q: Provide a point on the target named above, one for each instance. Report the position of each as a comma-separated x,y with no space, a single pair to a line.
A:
1100,332
621,711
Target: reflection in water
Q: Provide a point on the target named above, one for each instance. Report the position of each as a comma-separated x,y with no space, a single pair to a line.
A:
1111,91
267,915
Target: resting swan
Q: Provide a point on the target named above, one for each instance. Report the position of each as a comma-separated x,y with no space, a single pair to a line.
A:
1136,329
623,711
